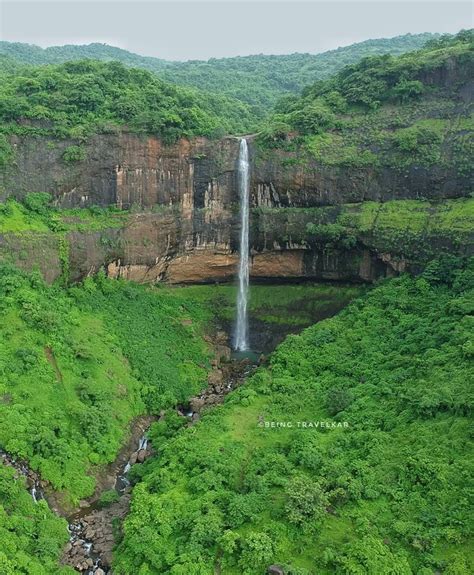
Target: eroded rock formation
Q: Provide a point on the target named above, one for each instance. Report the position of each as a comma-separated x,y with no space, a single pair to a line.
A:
183,221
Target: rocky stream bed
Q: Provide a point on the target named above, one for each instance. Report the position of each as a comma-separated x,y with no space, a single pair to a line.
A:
93,528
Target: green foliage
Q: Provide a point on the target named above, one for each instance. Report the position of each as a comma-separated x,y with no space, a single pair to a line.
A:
31,535
375,495
77,99
74,154
74,369
408,89
334,235
37,214
38,202
418,143
108,497
314,118
383,111
259,81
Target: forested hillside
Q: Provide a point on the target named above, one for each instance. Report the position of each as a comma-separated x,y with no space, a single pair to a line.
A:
347,454
79,98
258,80
410,110
72,378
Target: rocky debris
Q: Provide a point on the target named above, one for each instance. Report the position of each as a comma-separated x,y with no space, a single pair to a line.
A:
92,538
196,404
215,379
223,378
275,570
89,550
223,353
34,483
141,455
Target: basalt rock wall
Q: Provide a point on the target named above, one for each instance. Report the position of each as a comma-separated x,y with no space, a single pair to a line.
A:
183,202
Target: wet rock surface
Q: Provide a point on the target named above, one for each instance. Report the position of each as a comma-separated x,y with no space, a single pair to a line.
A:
92,538
34,483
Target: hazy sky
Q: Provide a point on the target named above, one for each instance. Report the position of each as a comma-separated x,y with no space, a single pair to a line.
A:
181,30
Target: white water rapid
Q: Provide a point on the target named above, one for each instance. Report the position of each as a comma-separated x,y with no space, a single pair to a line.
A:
243,173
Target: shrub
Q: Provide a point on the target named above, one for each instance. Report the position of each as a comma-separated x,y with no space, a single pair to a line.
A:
314,118
74,154
108,497
37,202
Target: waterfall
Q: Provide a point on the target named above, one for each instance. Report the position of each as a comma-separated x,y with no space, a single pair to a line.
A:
243,173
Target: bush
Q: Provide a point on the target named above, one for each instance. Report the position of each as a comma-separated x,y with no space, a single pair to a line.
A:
74,154
38,202
314,118
108,497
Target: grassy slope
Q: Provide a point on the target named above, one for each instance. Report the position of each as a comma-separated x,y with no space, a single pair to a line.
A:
77,366
287,305
389,494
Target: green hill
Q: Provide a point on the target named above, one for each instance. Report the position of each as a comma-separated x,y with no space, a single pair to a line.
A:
384,111
75,99
258,80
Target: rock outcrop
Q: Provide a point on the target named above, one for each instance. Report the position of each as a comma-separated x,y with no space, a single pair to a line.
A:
183,210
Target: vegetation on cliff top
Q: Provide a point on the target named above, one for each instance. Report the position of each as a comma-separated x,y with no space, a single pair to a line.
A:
386,491
75,99
255,80
398,112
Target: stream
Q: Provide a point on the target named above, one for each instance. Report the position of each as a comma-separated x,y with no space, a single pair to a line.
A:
93,527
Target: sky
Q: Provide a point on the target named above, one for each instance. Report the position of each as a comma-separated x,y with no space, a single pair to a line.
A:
193,29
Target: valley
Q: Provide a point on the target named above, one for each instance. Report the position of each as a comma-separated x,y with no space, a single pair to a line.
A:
236,333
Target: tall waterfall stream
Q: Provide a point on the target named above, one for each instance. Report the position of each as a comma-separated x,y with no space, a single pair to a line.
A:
243,173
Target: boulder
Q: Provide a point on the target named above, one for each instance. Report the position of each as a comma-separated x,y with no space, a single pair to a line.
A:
221,337
223,352
275,570
215,378
196,404
141,456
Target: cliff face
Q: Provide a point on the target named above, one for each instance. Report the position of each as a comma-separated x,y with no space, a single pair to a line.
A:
131,171
183,202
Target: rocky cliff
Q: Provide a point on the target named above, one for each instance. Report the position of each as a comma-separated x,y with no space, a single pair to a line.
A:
183,206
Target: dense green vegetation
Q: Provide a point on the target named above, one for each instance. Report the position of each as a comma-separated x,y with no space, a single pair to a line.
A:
76,99
31,535
37,214
384,110
76,366
256,80
386,490
414,229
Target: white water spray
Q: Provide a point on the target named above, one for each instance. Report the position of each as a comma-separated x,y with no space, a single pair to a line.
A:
243,173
